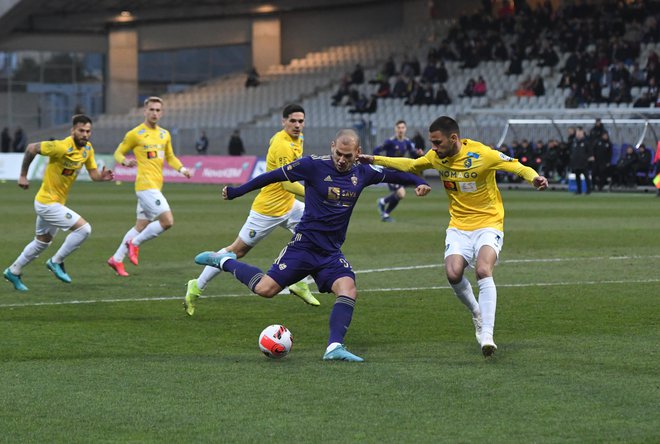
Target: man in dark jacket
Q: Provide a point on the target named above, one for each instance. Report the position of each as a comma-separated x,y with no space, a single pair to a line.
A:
602,159
581,155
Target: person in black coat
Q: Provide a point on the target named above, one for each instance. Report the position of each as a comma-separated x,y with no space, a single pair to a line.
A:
581,156
602,160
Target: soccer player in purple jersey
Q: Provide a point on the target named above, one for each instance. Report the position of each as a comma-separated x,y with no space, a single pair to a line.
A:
332,187
396,146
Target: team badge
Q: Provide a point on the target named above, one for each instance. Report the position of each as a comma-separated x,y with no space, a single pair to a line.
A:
354,180
70,149
467,163
252,234
84,154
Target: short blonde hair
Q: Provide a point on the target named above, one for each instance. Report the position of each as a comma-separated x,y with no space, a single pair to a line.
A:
153,99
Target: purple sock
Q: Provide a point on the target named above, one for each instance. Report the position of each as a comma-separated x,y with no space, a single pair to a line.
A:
340,318
392,201
246,273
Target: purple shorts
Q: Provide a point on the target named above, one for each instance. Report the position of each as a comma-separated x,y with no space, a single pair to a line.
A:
301,258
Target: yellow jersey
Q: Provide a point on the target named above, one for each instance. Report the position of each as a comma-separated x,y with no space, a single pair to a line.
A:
151,148
469,180
65,161
273,200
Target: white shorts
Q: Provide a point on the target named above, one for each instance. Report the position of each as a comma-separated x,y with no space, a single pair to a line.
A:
151,204
468,243
51,217
257,226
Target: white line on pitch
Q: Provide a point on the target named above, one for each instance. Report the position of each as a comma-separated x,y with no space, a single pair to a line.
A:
367,290
513,261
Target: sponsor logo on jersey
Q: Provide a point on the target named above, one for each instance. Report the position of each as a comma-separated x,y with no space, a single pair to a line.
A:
505,157
334,193
327,179
252,234
67,172
473,155
70,149
451,186
152,154
354,180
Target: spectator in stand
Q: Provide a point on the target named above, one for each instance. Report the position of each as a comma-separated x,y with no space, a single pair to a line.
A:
20,140
6,140
235,147
602,148
357,76
252,78
400,90
343,92
637,75
644,162
620,92
480,88
383,90
389,69
581,157
548,55
202,144
538,86
430,73
442,96
468,91
525,88
442,73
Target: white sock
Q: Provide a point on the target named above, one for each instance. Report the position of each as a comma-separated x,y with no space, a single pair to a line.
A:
208,274
465,294
152,230
122,251
30,253
72,243
487,304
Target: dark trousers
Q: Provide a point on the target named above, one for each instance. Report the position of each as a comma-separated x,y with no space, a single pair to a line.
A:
578,180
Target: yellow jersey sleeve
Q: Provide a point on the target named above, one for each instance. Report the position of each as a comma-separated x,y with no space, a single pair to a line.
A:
274,200
405,164
64,164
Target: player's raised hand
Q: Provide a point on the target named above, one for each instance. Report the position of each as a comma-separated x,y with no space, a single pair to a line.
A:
422,190
366,159
23,182
540,183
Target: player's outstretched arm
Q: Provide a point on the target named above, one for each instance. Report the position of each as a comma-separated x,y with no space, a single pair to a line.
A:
229,193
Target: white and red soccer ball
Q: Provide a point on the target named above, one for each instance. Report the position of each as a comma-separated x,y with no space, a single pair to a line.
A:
275,341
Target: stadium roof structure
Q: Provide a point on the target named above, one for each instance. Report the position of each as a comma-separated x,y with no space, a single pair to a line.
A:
95,17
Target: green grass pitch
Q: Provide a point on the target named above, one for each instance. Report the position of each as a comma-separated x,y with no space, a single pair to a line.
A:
107,359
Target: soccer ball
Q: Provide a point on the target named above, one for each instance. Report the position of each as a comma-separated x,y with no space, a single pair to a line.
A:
275,341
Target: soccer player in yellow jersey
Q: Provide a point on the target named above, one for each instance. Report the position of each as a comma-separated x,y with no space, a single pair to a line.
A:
475,234
66,158
274,206
151,146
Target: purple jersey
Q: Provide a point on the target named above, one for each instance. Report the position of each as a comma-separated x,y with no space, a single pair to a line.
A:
329,195
394,147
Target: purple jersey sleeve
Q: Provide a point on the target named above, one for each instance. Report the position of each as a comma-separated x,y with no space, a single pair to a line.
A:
258,182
